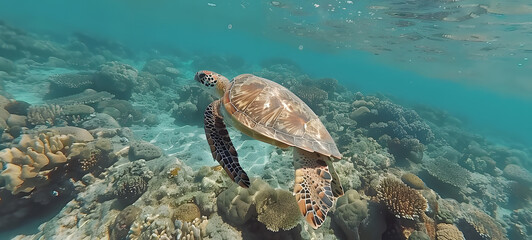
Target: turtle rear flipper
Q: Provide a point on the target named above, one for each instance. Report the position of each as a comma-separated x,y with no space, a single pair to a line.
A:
316,186
221,146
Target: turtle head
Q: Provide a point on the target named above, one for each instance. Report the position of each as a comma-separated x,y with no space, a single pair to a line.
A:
216,83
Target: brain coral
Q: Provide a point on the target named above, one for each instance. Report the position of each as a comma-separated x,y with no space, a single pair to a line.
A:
448,172
187,212
445,231
401,200
276,209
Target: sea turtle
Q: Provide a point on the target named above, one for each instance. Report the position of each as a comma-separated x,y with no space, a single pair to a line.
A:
271,113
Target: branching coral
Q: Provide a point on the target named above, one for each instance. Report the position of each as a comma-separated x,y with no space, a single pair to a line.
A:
401,200
50,114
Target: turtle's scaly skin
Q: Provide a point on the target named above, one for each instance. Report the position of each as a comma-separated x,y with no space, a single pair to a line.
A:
271,113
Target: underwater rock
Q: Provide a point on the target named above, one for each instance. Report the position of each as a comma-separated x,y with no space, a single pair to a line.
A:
15,120
121,110
144,150
124,220
517,173
100,120
401,200
419,235
350,212
17,107
116,78
160,66
192,102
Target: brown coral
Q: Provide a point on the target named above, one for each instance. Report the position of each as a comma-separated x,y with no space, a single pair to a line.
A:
28,165
413,181
88,96
484,225
401,200
187,212
447,231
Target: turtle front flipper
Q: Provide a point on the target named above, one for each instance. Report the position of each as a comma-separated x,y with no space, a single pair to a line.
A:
316,186
221,146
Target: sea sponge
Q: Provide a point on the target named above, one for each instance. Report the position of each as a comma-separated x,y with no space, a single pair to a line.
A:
400,199
277,210
187,212
413,181
445,231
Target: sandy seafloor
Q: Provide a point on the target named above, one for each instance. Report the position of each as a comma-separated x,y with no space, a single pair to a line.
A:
137,164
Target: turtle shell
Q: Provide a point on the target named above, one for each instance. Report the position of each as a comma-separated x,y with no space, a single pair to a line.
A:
269,112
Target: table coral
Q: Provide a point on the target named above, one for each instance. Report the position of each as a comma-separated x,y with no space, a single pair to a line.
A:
401,200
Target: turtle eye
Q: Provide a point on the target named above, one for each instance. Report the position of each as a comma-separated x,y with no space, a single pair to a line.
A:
201,75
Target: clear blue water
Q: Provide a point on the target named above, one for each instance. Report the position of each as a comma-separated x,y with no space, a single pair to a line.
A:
495,97
471,59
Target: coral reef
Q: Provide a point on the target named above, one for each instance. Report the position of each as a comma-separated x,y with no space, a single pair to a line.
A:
406,148
479,225
88,97
401,200
448,172
53,115
28,165
62,85
275,208
447,231
350,212
116,78
131,185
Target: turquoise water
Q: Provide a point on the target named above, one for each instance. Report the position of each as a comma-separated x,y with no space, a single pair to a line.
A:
472,60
